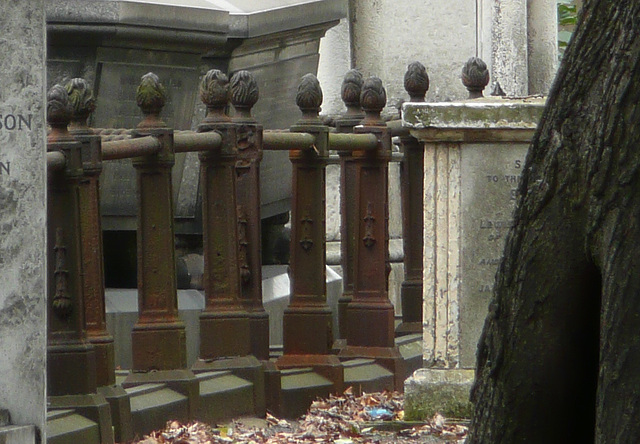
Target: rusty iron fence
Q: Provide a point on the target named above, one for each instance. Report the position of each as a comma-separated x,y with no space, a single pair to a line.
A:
230,146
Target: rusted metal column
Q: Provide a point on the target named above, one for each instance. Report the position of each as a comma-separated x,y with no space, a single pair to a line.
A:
244,94
71,359
416,83
307,331
350,91
370,315
224,323
158,337
83,104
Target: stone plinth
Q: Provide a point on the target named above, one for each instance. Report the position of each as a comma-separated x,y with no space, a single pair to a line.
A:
22,216
474,155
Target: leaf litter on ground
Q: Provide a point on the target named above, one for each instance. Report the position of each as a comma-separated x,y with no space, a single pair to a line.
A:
345,419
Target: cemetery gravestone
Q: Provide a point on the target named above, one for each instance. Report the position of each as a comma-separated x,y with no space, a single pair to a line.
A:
474,154
22,214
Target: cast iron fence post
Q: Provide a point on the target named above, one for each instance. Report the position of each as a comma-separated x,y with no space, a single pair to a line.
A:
83,103
350,91
370,315
224,323
71,359
158,337
244,94
416,83
307,331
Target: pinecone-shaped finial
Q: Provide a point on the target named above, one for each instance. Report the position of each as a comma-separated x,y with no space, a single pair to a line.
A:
244,93
373,98
416,81
82,101
214,92
350,91
309,96
475,76
59,112
151,98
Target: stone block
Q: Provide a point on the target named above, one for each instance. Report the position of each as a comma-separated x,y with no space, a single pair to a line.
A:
444,391
23,325
18,435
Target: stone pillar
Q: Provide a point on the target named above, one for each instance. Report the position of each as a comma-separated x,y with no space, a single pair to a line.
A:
509,47
350,91
474,155
416,83
244,94
23,213
83,104
158,337
542,52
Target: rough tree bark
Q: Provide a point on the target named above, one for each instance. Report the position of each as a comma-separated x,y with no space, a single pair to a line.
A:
559,357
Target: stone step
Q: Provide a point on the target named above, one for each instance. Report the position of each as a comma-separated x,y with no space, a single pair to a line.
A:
66,426
13,434
152,405
364,375
299,387
224,396
410,347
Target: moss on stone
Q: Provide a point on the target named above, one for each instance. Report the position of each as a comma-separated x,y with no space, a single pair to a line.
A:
450,400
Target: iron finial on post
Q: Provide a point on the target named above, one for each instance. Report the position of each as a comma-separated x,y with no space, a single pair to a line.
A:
244,93
475,76
350,91
373,98
151,97
309,97
82,101
416,81
59,112
214,92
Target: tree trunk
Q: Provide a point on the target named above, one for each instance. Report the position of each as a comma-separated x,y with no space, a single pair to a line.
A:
559,357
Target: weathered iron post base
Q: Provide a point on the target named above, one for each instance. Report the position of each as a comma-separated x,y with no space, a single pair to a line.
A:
350,92
307,332
244,94
83,104
416,83
370,315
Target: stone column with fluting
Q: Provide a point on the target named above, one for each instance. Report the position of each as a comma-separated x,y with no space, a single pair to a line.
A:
71,358
224,323
158,337
83,103
244,94
416,83
350,91
307,332
370,315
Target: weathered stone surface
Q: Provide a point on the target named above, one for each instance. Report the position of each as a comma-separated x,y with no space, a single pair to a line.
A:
22,213
431,391
474,152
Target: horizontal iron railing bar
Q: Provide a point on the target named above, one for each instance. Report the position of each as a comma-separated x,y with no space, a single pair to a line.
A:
334,159
396,128
188,141
56,160
284,141
126,148
352,142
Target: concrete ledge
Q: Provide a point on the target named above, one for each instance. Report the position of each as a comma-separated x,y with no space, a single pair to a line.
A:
18,435
431,391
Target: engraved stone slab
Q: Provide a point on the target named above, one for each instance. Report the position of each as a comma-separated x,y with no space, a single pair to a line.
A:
474,155
22,213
